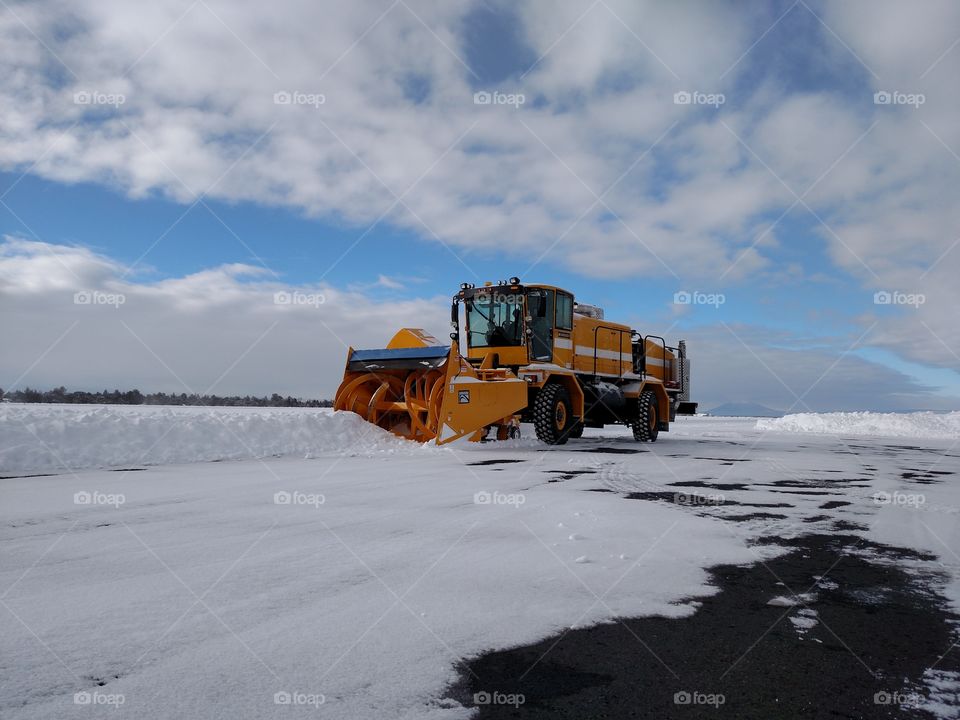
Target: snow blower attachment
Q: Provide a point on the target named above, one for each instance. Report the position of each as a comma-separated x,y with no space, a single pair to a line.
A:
421,390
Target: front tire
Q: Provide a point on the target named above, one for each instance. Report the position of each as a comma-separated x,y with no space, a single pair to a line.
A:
552,414
646,427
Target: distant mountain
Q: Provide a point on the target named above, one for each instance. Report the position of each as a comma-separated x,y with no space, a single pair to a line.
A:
744,410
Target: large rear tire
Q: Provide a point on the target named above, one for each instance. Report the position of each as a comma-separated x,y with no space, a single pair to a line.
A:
647,425
576,431
553,414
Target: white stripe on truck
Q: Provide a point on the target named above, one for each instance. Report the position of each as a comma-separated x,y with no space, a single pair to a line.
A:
587,351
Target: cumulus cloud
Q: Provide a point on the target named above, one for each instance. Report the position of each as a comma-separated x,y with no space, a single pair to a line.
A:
71,317
364,111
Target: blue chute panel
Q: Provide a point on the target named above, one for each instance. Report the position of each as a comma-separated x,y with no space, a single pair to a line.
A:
399,359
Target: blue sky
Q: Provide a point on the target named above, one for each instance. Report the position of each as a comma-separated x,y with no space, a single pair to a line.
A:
796,199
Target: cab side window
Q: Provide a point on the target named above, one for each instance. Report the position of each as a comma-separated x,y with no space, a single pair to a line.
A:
540,303
564,311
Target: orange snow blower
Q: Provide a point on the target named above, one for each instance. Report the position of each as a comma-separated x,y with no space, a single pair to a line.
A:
531,353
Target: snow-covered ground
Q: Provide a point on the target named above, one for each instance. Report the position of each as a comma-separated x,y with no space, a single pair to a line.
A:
344,569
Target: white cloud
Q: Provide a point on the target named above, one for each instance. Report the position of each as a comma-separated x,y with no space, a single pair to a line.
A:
389,283
221,329
199,117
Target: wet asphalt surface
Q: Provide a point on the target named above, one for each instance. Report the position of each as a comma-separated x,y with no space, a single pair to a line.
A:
861,630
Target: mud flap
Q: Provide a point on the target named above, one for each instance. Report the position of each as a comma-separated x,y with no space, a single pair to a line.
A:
470,404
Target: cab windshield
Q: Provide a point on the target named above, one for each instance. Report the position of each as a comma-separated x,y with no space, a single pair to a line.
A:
495,320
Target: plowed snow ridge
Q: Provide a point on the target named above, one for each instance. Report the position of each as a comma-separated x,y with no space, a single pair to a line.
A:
37,438
915,425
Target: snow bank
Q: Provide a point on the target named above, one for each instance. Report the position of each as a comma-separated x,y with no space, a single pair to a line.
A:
914,425
39,437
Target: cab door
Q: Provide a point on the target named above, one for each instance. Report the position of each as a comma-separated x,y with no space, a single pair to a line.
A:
563,330
540,309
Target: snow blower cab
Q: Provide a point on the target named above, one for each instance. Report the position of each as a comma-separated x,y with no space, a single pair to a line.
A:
532,354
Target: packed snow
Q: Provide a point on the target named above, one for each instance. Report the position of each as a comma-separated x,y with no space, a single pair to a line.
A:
328,565
911,425
804,621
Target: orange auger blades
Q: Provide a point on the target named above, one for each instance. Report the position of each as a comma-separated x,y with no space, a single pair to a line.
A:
421,390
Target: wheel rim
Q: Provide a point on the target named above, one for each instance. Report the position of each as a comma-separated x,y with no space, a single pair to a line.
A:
560,417
653,418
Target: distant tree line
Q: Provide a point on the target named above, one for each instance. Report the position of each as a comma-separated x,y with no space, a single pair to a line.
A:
135,397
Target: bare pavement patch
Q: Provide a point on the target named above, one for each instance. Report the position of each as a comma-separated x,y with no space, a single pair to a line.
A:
834,628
